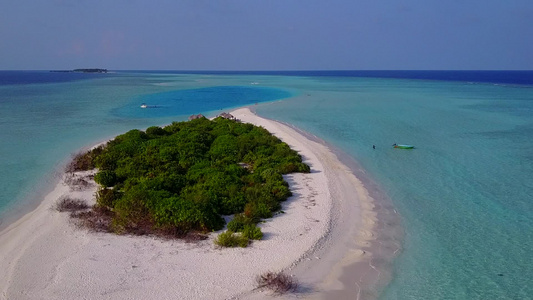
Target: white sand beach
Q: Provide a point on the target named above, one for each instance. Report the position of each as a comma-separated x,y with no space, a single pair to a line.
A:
326,225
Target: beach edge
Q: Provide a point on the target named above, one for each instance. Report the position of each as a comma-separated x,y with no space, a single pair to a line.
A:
21,240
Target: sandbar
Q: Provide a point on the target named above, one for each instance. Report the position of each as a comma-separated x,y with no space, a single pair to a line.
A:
327,225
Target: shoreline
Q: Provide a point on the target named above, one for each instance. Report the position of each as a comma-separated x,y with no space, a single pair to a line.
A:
376,238
307,241
45,186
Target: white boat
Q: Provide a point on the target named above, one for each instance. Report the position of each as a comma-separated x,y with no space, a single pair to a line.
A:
144,105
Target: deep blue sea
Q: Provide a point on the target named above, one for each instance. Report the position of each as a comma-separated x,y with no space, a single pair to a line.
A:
465,193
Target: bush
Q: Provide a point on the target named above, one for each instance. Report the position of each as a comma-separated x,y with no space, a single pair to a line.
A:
106,178
98,219
84,161
231,239
106,197
303,168
179,179
77,183
233,202
256,211
70,205
278,190
279,283
252,232
238,223
156,131
271,174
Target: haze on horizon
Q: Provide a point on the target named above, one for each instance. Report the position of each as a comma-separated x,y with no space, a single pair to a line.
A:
267,35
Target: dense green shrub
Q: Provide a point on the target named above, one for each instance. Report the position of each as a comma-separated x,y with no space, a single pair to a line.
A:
186,215
184,176
279,190
257,210
252,232
156,131
238,222
224,147
106,178
231,239
106,197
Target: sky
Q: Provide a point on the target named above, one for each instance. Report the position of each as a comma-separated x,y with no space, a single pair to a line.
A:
267,34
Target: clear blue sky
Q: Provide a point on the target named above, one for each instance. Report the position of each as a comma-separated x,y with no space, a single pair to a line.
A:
266,34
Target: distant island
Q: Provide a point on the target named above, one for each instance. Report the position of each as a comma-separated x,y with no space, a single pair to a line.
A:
82,71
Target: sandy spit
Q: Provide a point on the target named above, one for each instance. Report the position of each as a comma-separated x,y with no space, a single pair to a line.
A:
325,226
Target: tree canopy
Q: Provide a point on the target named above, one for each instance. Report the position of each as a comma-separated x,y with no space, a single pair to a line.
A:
185,176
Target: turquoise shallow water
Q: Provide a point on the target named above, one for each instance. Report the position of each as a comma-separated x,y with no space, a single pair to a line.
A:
464,194
42,124
192,101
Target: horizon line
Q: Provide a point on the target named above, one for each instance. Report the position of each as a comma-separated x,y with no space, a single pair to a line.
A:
296,70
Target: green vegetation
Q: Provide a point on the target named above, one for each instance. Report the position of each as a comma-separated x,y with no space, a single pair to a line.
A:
182,178
252,232
231,239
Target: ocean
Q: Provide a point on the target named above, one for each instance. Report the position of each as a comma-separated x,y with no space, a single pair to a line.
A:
464,193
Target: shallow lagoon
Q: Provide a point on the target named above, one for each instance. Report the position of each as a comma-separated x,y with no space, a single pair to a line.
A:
463,193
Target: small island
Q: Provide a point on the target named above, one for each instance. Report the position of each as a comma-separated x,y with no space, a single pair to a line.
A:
180,180
81,71
169,259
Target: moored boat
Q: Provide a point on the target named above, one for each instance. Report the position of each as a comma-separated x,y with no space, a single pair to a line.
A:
400,146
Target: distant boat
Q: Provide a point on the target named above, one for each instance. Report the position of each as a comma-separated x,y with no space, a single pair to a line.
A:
400,146
144,105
